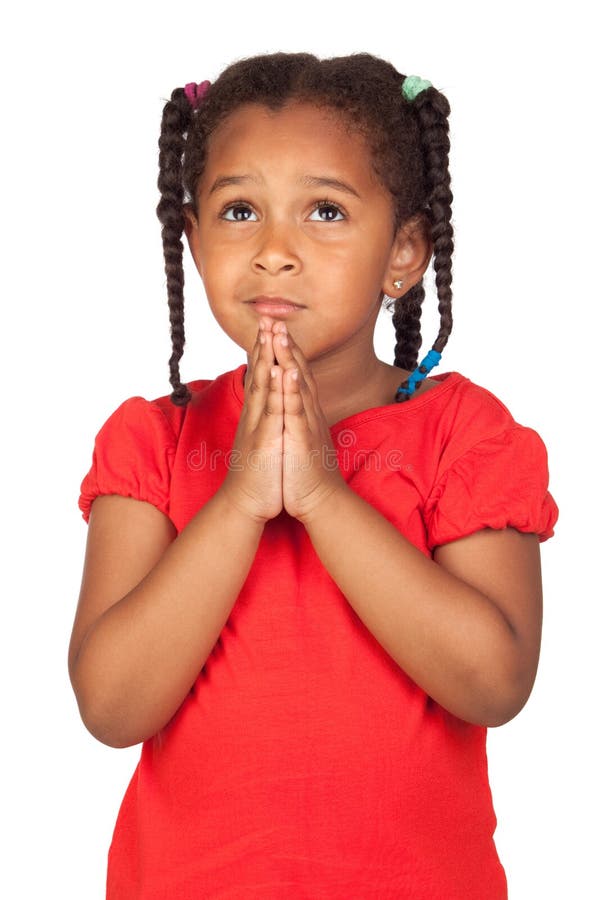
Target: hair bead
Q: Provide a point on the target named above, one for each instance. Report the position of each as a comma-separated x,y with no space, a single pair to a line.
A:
371,91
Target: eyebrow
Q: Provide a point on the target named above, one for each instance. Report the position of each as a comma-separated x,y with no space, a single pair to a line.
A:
306,180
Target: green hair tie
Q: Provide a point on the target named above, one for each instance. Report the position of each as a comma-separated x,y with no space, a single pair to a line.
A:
413,85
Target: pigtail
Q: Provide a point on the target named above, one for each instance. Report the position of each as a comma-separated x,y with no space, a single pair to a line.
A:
406,122
176,119
407,322
432,110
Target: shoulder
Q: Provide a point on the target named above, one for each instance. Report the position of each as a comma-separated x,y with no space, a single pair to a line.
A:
490,470
471,416
473,408
472,393
137,445
483,438
427,384
207,396
160,414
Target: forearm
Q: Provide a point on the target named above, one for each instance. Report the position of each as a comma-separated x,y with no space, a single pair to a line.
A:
453,641
139,661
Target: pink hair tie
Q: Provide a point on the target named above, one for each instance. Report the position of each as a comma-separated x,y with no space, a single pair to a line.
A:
196,92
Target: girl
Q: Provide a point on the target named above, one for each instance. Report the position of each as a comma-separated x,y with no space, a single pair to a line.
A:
313,582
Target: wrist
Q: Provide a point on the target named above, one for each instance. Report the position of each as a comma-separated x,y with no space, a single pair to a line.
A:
325,506
233,507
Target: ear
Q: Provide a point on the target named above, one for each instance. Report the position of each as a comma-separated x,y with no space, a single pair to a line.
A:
409,255
192,234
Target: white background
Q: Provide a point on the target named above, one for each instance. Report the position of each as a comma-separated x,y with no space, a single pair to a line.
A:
85,325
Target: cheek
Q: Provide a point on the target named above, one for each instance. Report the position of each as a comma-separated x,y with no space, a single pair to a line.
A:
212,253
219,278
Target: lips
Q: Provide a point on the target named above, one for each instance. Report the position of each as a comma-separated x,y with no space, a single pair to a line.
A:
275,306
276,302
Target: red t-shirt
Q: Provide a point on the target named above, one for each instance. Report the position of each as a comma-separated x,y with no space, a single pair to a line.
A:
304,762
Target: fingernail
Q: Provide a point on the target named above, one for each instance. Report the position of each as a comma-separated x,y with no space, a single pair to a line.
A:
283,340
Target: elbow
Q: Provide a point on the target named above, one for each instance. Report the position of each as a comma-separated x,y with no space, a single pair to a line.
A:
493,713
105,731
506,683
104,720
110,730
487,708
505,700
494,694
494,718
104,724
510,709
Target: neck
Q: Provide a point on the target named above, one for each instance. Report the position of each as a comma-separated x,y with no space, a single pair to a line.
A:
351,379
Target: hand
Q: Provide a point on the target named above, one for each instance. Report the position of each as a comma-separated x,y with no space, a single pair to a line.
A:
310,468
254,480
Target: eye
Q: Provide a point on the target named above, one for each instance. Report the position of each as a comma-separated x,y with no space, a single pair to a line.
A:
235,208
329,207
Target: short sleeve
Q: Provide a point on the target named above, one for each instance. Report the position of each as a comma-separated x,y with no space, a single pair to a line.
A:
133,456
500,482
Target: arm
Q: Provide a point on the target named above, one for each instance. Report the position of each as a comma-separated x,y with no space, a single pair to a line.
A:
465,626
151,608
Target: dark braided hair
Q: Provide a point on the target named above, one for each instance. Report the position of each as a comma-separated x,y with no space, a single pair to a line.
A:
409,144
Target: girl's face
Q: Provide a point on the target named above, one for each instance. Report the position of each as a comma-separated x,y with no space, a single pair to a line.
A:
288,207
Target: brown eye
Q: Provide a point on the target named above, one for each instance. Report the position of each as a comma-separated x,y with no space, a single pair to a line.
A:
236,208
331,210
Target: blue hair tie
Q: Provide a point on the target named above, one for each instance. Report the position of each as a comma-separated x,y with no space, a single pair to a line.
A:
429,362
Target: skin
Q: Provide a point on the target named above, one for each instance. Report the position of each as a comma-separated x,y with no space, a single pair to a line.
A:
338,264
464,625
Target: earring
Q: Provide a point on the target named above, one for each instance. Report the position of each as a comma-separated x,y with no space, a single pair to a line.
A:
398,284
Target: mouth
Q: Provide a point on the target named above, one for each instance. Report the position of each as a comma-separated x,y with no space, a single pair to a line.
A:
274,305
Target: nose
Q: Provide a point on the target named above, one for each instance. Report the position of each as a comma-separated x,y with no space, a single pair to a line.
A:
276,250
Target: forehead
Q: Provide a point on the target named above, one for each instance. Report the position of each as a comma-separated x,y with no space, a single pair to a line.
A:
299,135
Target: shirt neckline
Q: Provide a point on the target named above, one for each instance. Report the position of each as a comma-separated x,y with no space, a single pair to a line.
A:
446,380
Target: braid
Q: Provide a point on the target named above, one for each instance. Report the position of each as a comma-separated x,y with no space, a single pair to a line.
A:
176,119
409,144
407,322
433,110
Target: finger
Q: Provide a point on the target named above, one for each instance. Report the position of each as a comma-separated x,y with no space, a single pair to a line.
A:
256,348
252,358
259,387
274,406
282,349
296,420
270,422
287,358
266,322
300,360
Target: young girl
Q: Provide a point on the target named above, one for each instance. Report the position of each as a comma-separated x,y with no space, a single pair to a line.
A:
312,582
